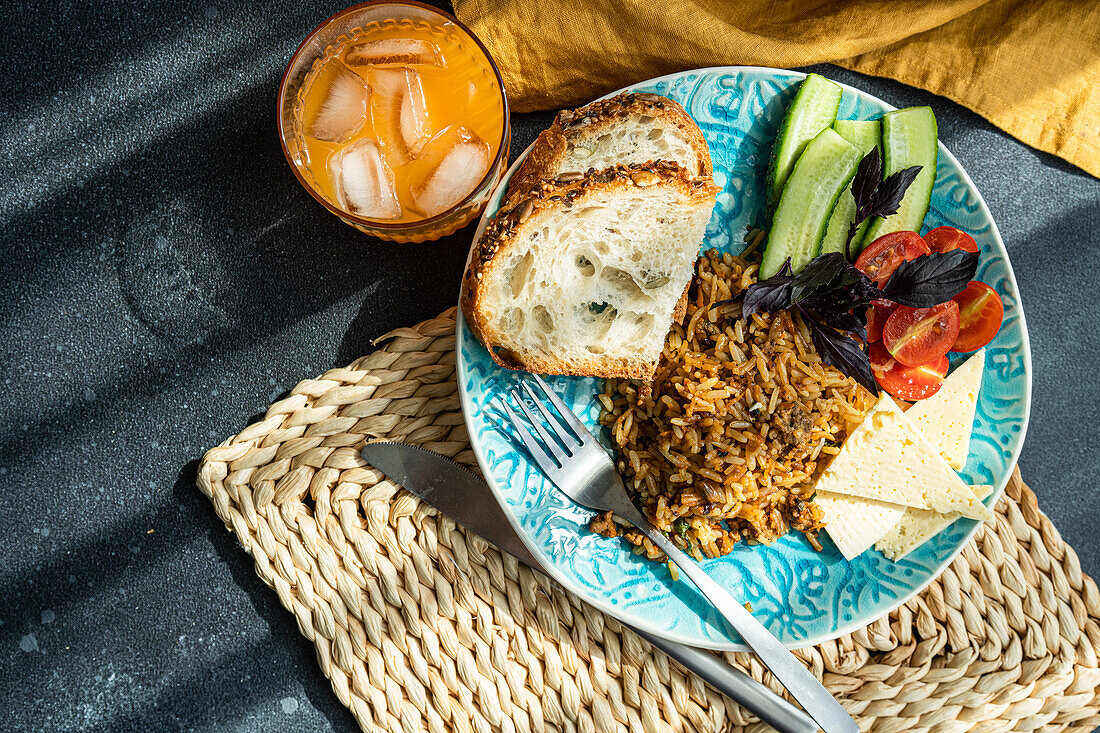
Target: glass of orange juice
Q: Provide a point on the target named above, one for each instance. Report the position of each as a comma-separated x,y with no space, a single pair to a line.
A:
394,117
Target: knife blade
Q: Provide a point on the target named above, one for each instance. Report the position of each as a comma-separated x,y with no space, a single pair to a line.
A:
459,493
451,488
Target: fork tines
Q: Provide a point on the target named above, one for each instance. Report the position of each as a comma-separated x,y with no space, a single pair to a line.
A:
559,435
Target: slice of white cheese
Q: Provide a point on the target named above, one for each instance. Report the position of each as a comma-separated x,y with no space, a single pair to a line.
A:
916,527
855,524
886,459
946,419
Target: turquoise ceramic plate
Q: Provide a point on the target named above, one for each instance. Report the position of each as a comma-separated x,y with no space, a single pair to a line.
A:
804,597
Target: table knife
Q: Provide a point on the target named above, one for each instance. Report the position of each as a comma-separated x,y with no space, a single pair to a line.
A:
463,496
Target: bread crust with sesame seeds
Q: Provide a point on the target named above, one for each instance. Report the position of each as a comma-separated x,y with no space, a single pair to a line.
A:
633,127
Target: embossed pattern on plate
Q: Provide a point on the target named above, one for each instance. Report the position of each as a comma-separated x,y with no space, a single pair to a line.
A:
804,597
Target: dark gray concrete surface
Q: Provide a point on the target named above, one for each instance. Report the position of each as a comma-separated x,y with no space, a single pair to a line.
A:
165,278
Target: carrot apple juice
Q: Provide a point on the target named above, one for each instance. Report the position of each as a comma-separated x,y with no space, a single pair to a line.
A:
400,120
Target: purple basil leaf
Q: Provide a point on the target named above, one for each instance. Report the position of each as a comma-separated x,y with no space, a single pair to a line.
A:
887,197
867,178
821,272
931,279
847,321
843,352
850,289
849,276
816,280
857,294
769,296
852,229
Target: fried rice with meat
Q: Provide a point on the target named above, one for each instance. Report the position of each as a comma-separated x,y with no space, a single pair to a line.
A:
723,446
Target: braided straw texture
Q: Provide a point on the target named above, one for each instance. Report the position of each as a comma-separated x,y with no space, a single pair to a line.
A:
421,626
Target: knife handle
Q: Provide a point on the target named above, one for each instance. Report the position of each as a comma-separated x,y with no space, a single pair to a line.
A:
736,685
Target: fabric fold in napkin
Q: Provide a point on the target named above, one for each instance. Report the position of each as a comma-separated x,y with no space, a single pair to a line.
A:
1031,67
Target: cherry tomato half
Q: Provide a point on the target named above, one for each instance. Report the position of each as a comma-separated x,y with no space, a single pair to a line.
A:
945,239
906,382
916,336
877,314
980,316
882,256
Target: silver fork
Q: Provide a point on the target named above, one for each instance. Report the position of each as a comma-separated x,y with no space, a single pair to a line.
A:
578,465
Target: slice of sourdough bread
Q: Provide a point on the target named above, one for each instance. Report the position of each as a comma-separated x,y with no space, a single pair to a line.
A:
624,129
582,277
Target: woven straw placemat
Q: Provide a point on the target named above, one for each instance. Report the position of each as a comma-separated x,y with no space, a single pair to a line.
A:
421,626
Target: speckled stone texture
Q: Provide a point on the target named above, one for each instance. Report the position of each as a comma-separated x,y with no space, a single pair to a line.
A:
166,278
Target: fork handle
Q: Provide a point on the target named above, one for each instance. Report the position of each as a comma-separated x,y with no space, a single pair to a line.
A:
803,686
754,696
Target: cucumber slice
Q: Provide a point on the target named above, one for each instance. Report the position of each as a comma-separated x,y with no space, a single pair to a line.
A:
812,110
820,175
865,136
909,137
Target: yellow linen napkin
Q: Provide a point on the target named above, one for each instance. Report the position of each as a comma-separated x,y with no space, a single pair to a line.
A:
1031,67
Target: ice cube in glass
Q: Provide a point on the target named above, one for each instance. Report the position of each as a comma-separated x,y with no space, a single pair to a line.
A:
400,113
449,167
344,109
363,181
395,52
